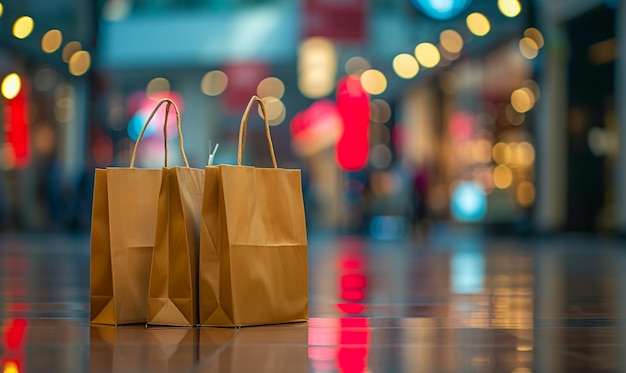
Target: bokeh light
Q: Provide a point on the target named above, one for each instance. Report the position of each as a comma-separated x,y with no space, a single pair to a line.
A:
317,67
373,82
270,87
510,8
451,41
502,153
405,66
23,26
528,48
69,49
1,9
468,202
525,193
522,100
535,35
502,176
214,83
524,154
427,55
356,65
478,24
51,41
156,86
380,156
79,63
380,111
275,110
11,86
513,116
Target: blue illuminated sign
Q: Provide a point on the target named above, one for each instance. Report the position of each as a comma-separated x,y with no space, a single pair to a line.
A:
441,9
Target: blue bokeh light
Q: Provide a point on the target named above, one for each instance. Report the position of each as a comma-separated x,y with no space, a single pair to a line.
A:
468,202
441,9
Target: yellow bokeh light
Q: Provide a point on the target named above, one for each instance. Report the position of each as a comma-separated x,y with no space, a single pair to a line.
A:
525,154
11,85
214,83
356,65
1,9
528,48
69,49
502,177
502,153
156,86
536,35
510,8
478,24
451,41
270,87
23,26
317,67
522,100
79,63
10,367
427,55
525,193
405,66
373,82
51,41
275,110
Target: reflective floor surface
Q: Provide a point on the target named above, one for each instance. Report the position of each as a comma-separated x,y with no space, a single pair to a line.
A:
458,303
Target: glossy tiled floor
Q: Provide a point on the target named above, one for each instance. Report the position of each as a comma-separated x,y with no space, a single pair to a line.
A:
459,303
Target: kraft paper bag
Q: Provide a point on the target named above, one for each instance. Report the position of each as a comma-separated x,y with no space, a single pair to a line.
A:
253,244
173,290
123,230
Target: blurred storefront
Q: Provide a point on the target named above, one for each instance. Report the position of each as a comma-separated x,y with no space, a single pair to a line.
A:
45,63
498,114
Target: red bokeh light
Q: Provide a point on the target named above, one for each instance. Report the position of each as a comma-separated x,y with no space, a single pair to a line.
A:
354,109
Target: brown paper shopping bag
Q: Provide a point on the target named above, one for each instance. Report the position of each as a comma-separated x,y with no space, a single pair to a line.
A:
253,245
123,229
173,289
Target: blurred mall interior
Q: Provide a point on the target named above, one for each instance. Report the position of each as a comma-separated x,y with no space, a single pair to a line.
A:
402,114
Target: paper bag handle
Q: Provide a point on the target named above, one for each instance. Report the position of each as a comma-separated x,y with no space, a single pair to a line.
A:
244,126
178,125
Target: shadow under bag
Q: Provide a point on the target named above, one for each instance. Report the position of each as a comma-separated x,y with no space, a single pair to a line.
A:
253,243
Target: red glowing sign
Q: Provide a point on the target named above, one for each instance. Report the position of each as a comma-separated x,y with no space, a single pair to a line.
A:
316,128
17,134
354,109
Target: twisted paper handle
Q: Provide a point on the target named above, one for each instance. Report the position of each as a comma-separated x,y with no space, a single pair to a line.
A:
244,127
178,125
